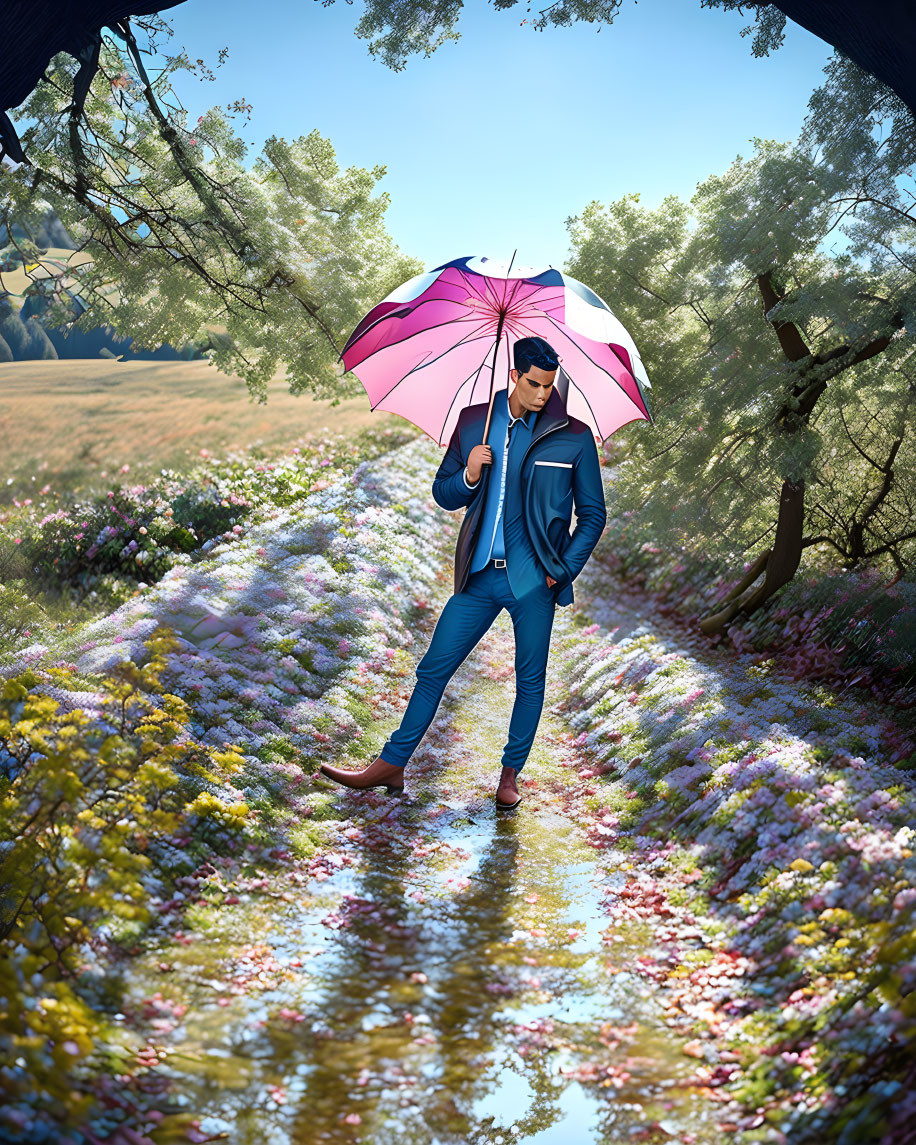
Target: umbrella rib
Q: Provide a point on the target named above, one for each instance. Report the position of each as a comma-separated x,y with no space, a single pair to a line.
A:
516,286
455,396
470,285
514,322
492,290
597,365
540,303
424,330
422,365
550,298
488,294
587,402
469,282
351,341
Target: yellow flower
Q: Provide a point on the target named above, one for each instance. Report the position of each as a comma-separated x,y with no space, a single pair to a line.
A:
801,865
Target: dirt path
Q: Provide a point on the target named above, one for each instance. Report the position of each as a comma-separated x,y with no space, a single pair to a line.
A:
440,972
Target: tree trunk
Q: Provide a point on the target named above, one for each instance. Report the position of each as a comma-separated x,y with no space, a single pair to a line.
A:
778,564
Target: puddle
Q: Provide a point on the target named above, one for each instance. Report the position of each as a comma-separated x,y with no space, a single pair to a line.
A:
430,1011
452,981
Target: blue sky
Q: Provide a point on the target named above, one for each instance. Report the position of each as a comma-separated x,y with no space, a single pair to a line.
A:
653,103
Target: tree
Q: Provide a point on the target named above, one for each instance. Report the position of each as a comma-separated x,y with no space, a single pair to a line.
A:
779,365
289,254
34,31
878,35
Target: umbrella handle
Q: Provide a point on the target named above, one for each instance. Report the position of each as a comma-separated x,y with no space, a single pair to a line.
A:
486,427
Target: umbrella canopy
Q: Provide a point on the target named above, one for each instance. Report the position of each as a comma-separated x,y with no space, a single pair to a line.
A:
443,341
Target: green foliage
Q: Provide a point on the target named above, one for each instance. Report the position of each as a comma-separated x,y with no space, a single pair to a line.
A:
88,555
20,616
773,355
397,29
843,627
84,804
288,252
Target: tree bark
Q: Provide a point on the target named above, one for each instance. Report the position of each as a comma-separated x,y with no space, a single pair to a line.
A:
779,563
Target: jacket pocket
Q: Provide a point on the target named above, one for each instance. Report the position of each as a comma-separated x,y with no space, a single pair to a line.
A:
552,485
548,501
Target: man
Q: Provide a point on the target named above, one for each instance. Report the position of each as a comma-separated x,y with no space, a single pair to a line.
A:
514,551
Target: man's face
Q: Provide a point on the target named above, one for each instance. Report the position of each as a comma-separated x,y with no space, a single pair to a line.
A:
533,387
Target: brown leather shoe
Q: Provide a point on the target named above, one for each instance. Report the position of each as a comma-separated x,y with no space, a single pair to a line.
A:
507,795
379,773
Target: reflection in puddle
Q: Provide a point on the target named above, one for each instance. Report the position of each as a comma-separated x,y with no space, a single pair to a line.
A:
449,982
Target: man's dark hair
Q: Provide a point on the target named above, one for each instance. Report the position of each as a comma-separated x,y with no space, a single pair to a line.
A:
529,352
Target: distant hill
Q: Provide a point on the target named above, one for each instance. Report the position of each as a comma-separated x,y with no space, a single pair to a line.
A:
51,233
25,299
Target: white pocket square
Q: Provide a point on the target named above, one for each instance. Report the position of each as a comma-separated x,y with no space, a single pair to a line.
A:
561,464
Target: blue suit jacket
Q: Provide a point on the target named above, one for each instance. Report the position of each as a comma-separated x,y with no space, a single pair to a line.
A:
560,467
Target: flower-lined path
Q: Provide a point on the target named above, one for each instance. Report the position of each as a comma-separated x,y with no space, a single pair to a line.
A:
446,972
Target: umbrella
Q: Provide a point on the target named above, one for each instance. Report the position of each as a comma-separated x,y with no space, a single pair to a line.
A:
443,340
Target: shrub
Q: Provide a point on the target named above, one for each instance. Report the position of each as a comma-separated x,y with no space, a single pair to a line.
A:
84,803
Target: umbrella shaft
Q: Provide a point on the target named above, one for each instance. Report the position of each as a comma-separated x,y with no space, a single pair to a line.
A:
499,334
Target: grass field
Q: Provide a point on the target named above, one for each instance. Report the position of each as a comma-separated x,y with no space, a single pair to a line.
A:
55,260
73,424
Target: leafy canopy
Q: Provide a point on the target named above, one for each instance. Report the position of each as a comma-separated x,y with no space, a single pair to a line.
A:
786,282
287,255
398,29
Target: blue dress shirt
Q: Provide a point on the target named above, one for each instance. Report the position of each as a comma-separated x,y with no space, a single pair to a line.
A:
509,437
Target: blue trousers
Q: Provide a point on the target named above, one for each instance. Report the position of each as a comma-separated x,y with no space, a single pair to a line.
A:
467,615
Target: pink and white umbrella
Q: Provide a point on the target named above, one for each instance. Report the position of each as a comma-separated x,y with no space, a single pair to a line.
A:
443,341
